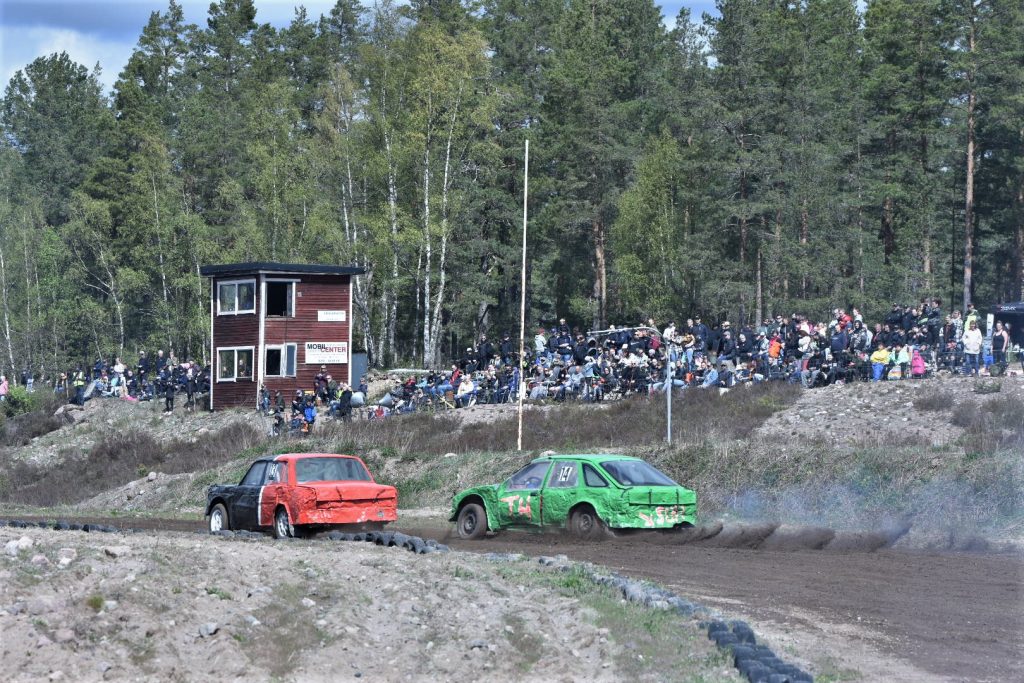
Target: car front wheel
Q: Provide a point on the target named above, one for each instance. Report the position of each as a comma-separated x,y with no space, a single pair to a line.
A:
282,526
472,522
219,519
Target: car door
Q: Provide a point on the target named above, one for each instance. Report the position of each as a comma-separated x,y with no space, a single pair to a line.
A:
245,507
561,492
275,485
519,499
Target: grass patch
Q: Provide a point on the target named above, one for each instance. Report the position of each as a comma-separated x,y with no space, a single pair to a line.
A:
219,592
653,645
94,602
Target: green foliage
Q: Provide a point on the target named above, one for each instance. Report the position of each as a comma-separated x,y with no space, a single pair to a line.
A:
772,157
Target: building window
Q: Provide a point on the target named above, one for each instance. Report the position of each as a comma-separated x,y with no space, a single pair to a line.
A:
236,297
279,361
234,364
280,299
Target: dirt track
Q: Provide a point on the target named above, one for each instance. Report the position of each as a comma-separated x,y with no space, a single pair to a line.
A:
949,616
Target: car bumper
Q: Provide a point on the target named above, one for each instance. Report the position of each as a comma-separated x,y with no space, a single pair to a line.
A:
652,517
347,513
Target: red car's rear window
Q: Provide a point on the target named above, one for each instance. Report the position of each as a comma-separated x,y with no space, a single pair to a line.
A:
330,469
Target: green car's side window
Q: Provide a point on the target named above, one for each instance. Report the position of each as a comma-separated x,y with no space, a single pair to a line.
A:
592,478
564,475
530,477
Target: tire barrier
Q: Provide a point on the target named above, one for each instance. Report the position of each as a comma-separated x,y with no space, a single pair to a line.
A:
61,525
414,544
756,663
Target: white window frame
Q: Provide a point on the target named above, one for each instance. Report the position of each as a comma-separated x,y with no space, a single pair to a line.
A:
295,287
236,283
284,359
234,364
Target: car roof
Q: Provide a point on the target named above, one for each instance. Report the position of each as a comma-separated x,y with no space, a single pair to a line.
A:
586,457
303,456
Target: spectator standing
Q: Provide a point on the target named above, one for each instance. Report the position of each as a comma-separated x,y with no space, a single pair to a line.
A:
4,388
971,314
78,383
168,386
1000,342
972,340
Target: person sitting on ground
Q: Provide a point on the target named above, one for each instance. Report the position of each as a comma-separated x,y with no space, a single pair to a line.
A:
879,361
309,414
465,392
918,368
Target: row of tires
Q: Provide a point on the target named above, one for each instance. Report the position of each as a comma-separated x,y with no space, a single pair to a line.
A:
388,539
756,663
63,526
415,544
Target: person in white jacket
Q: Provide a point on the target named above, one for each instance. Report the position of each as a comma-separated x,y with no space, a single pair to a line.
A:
972,341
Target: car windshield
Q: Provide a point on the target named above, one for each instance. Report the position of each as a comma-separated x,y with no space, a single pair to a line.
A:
330,469
636,473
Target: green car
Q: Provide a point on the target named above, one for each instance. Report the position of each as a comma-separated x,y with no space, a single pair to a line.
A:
585,494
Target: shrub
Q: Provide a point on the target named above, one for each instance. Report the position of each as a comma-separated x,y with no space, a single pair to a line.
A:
933,400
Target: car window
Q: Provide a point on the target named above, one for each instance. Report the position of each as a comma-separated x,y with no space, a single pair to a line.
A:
330,469
635,473
592,478
530,477
276,472
564,475
254,477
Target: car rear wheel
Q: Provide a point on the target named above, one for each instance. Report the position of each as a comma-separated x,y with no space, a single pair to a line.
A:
585,524
282,526
472,522
219,519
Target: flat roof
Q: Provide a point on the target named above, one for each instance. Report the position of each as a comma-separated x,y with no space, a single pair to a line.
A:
254,267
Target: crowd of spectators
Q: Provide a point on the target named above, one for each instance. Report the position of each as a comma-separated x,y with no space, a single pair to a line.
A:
565,363
156,378
338,399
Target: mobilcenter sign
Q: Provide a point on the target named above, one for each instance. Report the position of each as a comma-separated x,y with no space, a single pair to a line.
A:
326,353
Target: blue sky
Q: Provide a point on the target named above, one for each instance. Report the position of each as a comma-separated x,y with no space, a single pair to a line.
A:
105,31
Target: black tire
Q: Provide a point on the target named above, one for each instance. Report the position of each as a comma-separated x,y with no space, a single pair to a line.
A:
219,519
472,522
282,525
585,524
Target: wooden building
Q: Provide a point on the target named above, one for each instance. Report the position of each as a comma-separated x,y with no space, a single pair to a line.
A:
276,325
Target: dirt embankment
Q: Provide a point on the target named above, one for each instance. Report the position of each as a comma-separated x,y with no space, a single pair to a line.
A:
174,606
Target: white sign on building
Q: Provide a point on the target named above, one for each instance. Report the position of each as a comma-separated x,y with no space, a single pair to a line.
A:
326,353
330,316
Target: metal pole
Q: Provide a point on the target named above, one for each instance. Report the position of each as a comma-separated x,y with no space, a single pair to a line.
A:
522,300
668,395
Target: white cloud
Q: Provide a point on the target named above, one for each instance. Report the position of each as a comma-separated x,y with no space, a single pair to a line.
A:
21,45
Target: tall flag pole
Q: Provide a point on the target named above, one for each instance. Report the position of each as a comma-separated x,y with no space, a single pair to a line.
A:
522,301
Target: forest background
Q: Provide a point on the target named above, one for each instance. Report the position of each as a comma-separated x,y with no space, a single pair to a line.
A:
778,157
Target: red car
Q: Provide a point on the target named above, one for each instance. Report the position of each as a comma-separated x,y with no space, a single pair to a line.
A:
302,492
